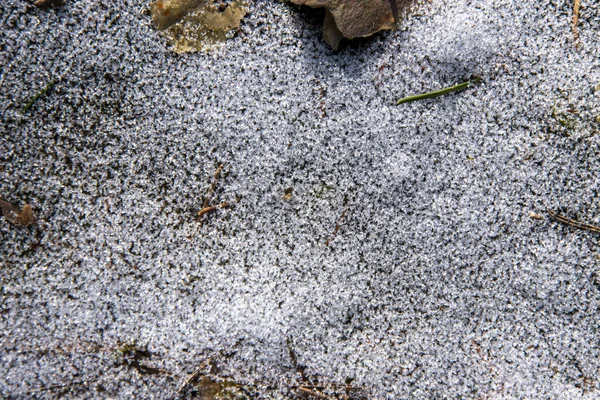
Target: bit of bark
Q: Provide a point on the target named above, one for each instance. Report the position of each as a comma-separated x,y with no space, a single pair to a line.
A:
20,218
49,3
357,18
576,7
208,209
571,222
287,194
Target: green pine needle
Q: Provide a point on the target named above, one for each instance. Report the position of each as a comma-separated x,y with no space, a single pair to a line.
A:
437,93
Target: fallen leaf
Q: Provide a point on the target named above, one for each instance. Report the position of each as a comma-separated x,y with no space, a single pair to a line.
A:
17,217
196,25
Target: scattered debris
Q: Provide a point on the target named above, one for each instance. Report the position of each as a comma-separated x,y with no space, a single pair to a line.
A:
437,93
349,19
193,376
196,25
212,208
299,368
70,385
213,186
576,22
313,392
338,225
332,391
287,194
206,207
21,218
535,216
49,3
571,222
322,93
130,355
37,96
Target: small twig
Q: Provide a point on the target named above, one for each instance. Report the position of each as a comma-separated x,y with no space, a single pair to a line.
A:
297,366
206,207
576,21
213,186
571,222
37,96
437,93
338,225
313,393
61,386
212,208
193,376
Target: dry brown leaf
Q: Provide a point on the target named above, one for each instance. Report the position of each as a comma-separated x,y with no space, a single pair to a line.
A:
356,18
196,25
17,217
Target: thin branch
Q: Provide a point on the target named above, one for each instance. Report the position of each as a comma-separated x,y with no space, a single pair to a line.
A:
338,225
576,21
213,186
437,93
313,393
62,386
193,376
571,222
208,209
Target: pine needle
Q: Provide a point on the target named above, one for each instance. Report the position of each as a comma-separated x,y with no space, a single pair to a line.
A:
437,93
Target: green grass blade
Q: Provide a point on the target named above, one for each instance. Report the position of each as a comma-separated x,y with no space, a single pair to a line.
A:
437,93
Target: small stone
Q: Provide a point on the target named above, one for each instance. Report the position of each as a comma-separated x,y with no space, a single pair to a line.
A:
356,18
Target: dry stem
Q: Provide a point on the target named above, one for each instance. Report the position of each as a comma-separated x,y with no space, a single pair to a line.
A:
571,222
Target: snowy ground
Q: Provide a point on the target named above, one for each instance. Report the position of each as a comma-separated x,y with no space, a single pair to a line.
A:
406,261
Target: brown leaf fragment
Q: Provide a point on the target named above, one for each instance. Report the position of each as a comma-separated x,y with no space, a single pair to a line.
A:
196,25
49,3
20,218
357,18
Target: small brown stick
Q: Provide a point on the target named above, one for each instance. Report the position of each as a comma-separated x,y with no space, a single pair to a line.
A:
338,225
192,377
576,21
535,216
313,393
571,222
62,386
208,209
213,186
